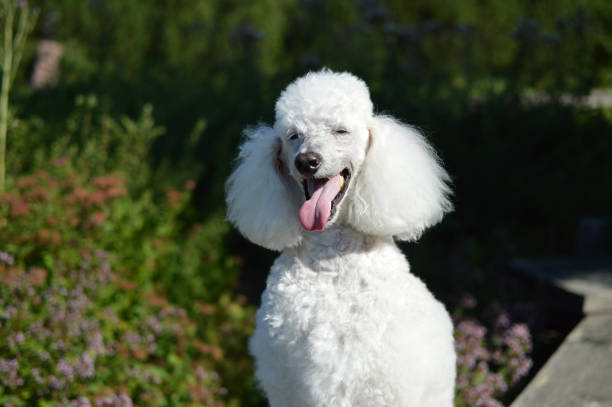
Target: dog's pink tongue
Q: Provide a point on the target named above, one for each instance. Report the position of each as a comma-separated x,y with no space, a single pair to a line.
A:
315,212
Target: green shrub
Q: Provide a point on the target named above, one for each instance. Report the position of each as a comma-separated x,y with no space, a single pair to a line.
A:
110,294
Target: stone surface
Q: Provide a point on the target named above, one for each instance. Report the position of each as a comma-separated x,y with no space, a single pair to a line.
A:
46,69
579,374
598,304
584,276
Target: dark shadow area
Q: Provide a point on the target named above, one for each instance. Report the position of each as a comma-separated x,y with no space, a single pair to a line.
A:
550,312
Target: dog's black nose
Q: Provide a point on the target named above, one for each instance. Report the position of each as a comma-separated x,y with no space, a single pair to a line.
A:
308,163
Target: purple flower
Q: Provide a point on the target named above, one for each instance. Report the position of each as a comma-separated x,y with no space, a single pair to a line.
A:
468,301
37,330
462,381
487,364
9,373
517,339
55,383
502,321
81,402
9,366
37,376
121,400
66,369
43,355
15,340
9,312
85,366
58,345
154,324
497,382
125,400
471,329
7,258
95,342
482,395
106,401
521,332
519,367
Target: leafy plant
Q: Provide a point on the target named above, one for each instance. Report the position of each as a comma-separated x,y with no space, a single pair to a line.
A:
109,293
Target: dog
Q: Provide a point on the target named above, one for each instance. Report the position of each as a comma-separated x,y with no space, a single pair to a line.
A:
332,185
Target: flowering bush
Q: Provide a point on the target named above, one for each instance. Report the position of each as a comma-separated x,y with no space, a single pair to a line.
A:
78,327
109,294
66,339
489,363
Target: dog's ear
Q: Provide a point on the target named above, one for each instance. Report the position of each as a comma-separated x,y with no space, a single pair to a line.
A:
262,202
401,189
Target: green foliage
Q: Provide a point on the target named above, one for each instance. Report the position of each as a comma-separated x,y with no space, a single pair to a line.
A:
110,293
93,141
428,63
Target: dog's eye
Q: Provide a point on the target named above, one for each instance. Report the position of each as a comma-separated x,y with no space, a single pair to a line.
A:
340,131
293,136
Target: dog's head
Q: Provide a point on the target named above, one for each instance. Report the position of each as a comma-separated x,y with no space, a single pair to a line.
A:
330,161
322,122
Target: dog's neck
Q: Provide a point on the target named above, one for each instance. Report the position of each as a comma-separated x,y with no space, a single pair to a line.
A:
339,240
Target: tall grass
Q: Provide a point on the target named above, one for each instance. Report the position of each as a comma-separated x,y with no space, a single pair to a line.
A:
13,43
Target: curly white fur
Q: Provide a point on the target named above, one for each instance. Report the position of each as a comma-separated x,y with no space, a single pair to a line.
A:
343,322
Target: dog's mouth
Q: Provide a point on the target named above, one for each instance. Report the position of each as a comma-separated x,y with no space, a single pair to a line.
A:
323,195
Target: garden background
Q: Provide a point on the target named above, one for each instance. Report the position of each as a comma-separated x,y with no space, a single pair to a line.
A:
120,282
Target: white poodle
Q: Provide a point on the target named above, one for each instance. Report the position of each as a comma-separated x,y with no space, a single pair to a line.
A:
343,322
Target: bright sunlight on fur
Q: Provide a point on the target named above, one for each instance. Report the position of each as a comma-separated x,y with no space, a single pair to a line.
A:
331,184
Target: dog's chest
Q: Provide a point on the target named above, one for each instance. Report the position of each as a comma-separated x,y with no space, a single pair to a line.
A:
335,327
320,310
337,290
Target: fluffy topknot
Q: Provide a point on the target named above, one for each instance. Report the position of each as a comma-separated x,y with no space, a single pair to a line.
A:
324,94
